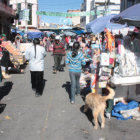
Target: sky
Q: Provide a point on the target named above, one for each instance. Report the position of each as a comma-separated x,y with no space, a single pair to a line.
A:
57,6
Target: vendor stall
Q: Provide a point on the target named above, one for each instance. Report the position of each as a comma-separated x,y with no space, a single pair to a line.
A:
16,56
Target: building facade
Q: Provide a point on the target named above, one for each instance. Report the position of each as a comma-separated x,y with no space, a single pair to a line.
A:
75,20
127,3
20,5
105,7
7,15
85,6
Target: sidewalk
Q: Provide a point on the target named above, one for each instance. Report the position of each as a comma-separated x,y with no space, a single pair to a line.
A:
51,116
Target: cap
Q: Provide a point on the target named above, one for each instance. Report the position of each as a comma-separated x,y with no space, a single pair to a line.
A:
3,35
58,37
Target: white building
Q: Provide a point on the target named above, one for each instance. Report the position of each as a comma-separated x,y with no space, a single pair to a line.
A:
85,6
32,5
76,19
105,7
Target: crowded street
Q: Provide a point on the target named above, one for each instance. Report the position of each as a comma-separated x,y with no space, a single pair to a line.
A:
51,116
69,70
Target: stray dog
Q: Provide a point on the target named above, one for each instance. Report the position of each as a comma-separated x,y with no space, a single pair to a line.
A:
97,104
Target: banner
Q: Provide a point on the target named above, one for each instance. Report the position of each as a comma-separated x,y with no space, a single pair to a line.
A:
66,14
26,14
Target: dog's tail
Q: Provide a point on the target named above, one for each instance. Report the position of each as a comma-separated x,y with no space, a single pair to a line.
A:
111,94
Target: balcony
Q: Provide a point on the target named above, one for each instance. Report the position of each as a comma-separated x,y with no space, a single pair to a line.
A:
6,10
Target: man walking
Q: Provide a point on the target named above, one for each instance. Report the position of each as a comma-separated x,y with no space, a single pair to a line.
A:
58,53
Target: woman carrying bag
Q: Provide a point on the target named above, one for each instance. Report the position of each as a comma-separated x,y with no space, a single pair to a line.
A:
36,55
75,59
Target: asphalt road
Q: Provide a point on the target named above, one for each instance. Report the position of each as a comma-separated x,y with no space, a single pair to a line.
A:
51,116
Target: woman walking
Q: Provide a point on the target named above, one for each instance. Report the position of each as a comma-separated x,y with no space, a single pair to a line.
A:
36,55
75,59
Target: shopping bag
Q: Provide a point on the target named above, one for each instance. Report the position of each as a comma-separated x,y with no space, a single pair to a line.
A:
51,48
105,59
103,84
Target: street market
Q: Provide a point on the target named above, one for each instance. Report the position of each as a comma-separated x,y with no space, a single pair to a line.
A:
76,74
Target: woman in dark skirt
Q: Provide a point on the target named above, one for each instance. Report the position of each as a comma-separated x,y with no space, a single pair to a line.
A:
36,55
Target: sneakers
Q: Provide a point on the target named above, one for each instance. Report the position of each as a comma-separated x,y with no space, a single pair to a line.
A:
5,76
38,94
108,115
54,72
72,102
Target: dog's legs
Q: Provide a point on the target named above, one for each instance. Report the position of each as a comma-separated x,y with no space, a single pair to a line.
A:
95,115
103,119
85,108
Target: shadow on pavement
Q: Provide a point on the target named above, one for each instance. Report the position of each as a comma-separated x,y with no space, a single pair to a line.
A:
67,87
2,107
88,114
5,89
44,83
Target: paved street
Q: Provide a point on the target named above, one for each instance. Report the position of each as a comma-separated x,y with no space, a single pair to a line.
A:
51,116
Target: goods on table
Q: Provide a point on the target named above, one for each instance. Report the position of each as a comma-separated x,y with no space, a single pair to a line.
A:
15,55
11,49
18,59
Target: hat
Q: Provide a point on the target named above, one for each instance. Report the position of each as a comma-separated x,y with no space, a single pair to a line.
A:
58,37
3,35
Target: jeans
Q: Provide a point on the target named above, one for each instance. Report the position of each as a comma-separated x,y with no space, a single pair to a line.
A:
37,81
75,85
57,61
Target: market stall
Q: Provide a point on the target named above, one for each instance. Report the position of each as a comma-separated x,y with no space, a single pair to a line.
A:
16,56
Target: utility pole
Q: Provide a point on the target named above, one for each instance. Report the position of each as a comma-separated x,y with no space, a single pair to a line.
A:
107,2
105,7
26,22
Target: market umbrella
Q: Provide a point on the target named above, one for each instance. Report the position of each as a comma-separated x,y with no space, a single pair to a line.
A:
69,33
131,16
49,33
32,35
98,25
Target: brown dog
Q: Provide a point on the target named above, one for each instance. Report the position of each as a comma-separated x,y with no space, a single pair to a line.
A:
97,104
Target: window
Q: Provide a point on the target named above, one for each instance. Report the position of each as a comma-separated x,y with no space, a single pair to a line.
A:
19,10
30,14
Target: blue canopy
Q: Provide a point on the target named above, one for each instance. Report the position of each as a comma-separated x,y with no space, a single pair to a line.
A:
131,16
32,35
78,32
98,25
18,31
69,33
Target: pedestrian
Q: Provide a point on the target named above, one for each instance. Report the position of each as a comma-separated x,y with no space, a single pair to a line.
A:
36,55
48,45
75,59
18,40
71,42
3,37
58,53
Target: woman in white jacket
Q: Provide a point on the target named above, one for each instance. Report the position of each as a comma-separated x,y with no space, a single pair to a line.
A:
36,55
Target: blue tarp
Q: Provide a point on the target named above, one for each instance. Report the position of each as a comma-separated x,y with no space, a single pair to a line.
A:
98,25
79,32
18,31
120,106
32,35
